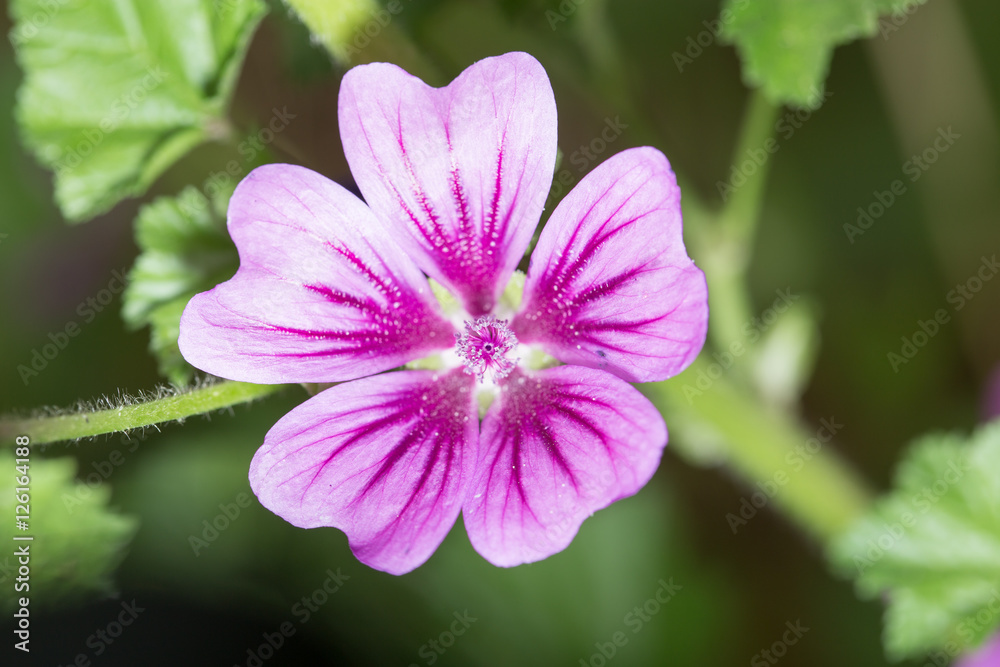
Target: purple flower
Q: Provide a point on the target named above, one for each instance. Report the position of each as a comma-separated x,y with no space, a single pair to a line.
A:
331,289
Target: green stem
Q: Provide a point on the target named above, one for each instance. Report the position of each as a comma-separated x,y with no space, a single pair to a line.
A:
759,443
741,212
813,487
604,60
43,430
727,246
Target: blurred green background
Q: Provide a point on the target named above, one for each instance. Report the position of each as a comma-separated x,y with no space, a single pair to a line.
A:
890,96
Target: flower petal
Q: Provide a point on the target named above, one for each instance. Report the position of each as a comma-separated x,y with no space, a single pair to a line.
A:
610,284
555,447
461,171
386,459
322,294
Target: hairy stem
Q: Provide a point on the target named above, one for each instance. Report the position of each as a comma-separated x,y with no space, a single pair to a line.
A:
85,424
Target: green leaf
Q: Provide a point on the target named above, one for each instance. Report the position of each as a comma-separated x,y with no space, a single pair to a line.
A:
786,45
78,541
116,91
185,250
932,546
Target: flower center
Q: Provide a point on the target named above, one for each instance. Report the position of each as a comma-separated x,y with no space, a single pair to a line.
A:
483,348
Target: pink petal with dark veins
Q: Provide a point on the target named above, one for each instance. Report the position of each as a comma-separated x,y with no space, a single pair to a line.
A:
610,284
462,172
555,447
322,294
386,459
